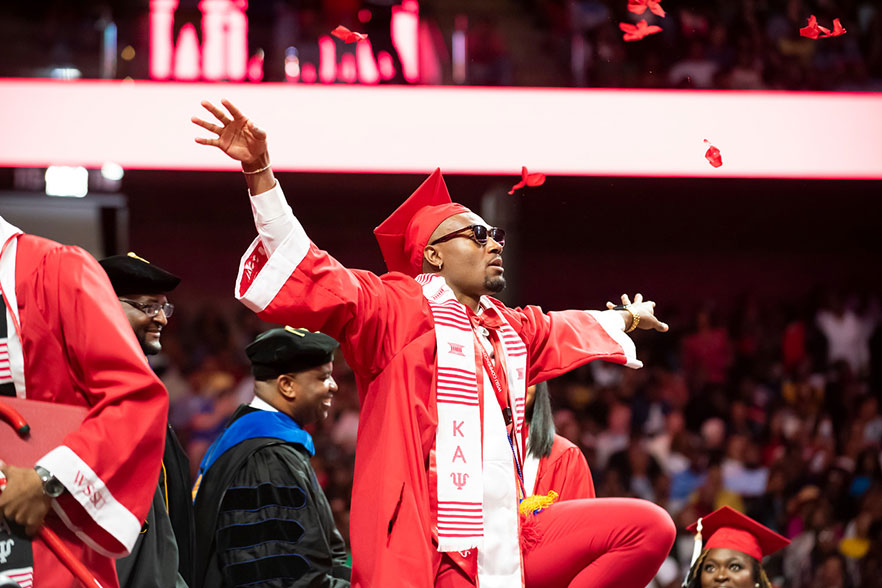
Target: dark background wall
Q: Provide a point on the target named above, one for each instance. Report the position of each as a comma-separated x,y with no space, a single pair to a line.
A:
574,242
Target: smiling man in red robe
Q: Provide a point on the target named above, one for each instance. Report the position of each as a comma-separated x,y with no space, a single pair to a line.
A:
442,369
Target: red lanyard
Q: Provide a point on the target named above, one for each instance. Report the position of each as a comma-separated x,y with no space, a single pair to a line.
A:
509,426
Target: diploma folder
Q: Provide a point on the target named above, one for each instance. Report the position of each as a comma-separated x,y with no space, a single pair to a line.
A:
49,424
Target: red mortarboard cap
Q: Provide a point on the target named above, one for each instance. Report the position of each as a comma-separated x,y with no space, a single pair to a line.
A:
404,235
726,528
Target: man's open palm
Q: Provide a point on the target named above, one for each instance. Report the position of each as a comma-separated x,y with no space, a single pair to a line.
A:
238,137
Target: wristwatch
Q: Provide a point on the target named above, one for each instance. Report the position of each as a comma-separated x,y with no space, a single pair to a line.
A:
52,486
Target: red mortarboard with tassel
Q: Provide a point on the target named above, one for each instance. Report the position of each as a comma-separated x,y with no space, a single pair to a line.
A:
726,528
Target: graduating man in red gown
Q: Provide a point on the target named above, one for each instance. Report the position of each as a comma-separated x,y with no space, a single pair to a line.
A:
67,342
441,370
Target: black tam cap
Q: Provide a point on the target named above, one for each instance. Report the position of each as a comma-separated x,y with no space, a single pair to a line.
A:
284,351
130,274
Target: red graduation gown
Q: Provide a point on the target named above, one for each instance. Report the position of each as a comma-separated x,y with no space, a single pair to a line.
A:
79,349
386,333
565,471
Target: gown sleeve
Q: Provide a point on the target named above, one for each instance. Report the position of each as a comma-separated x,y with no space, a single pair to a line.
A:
110,465
558,342
287,279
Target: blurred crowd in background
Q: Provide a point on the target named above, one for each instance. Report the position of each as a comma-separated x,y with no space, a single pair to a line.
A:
719,44
773,409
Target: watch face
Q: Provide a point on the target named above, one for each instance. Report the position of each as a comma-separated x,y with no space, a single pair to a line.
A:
53,487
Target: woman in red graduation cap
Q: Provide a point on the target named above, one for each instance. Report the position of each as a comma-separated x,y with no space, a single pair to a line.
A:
733,551
438,495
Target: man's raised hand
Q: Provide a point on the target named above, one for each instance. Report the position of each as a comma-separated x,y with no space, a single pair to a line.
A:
238,137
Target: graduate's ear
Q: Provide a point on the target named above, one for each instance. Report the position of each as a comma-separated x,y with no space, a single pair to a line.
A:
432,259
287,386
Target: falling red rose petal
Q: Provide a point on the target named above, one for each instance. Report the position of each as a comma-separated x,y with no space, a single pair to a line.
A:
713,155
640,6
814,31
838,29
636,6
638,31
810,31
348,36
528,179
656,9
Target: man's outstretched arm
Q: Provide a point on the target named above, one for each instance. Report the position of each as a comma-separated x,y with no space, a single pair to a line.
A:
283,276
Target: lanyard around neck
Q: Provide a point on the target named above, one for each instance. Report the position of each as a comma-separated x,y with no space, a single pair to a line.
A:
506,412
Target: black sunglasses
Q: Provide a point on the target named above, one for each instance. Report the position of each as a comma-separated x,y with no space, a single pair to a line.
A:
479,234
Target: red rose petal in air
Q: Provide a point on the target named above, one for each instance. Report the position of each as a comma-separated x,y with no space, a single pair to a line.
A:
536,179
810,31
815,31
640,6
713,155
348,36
527,179
655,8
838,30
638,31
637,6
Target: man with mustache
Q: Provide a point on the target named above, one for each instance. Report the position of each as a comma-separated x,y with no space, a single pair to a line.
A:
438,494
163,554
263,519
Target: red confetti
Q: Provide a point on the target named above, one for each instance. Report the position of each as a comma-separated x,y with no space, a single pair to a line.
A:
531,180
638,31
713,155
815,31
838,29
640,6
348,36
812,30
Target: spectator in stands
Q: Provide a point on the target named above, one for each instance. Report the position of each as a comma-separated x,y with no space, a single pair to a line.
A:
733,549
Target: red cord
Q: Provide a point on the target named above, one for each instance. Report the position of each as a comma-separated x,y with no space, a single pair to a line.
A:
15,419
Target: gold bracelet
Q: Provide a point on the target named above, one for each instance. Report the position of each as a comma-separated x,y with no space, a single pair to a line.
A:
635,319
257,171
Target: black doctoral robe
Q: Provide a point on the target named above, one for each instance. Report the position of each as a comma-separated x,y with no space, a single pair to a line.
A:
180,502
264,521
163,554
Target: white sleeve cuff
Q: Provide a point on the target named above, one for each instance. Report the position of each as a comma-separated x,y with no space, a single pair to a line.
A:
614,324
262,284
273,217
269,205
89,490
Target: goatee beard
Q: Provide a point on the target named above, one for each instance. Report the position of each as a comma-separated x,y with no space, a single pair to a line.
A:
151,348
494,285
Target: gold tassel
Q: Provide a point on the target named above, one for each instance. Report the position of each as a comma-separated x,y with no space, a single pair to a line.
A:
535,503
